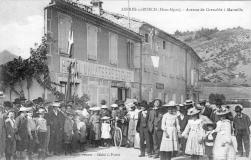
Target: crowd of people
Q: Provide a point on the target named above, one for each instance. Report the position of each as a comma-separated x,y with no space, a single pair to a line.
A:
29,128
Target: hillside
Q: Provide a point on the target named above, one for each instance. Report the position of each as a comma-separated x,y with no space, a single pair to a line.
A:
226,54
6,56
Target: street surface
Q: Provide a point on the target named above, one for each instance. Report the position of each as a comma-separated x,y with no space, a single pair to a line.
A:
113,153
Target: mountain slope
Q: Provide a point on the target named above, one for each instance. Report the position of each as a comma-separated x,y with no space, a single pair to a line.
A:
6,56
226,53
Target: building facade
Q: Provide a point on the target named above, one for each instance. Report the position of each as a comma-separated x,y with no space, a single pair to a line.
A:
104,53
177,74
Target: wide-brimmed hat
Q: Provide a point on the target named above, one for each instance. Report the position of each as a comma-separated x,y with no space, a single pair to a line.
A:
105,118
41,111
25,109
55,104
189,102
222,111
170,104
130,105
96,108
238,108
114,105
104,106
206,125
193,111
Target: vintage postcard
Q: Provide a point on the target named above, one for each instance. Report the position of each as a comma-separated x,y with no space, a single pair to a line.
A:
125,79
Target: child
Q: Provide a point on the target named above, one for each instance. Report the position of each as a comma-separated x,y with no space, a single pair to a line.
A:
42,133
105,131
171,129
209,139
81,130
194,134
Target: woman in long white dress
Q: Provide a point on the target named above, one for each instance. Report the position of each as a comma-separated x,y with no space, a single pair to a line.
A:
136,138
194,134
223,146
171,128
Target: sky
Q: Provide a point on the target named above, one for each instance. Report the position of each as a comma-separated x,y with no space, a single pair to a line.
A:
22,21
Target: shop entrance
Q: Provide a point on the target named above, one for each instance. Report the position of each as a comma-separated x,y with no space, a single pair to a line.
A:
122,94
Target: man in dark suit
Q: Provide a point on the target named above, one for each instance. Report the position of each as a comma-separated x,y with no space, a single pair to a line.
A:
205,110
142,129
56,122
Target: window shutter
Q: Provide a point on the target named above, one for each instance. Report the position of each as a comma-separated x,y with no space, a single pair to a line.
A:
64,28
92,42
113,48
136,56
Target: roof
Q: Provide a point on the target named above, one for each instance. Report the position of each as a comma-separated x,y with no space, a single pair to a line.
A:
69,5
136,24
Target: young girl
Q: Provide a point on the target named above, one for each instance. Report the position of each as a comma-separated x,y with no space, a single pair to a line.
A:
209,139
105,131
194,134
223,146
171,129
42,133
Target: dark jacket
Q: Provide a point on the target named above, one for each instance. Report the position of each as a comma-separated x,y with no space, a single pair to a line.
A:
139,123
150,121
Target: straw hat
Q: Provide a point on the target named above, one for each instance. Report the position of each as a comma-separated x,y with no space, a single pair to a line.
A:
105,118
170,104
193,111
104,106
114,105
222,111
41,111
25,109
55,104
96,108
189,101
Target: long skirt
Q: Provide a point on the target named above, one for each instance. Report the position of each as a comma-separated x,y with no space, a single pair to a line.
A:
169,144
42,137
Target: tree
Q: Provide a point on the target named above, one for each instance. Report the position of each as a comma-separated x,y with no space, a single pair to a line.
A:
218,99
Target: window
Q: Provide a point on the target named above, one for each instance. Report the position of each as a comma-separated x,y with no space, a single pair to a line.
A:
146,38
130,54
64,28
164,44
113,48
92,42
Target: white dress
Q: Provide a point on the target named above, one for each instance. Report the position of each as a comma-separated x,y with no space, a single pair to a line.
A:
136,138
223,147
194,133
105,130
169,126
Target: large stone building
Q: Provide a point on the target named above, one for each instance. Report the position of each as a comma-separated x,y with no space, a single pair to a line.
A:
113,56
105,52
176,77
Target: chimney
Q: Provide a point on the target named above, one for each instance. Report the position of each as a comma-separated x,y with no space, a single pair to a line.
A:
97,6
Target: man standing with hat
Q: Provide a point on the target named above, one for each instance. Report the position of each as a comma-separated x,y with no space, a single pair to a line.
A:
241,125
142,129
150,123
205,110
56,122
21,130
